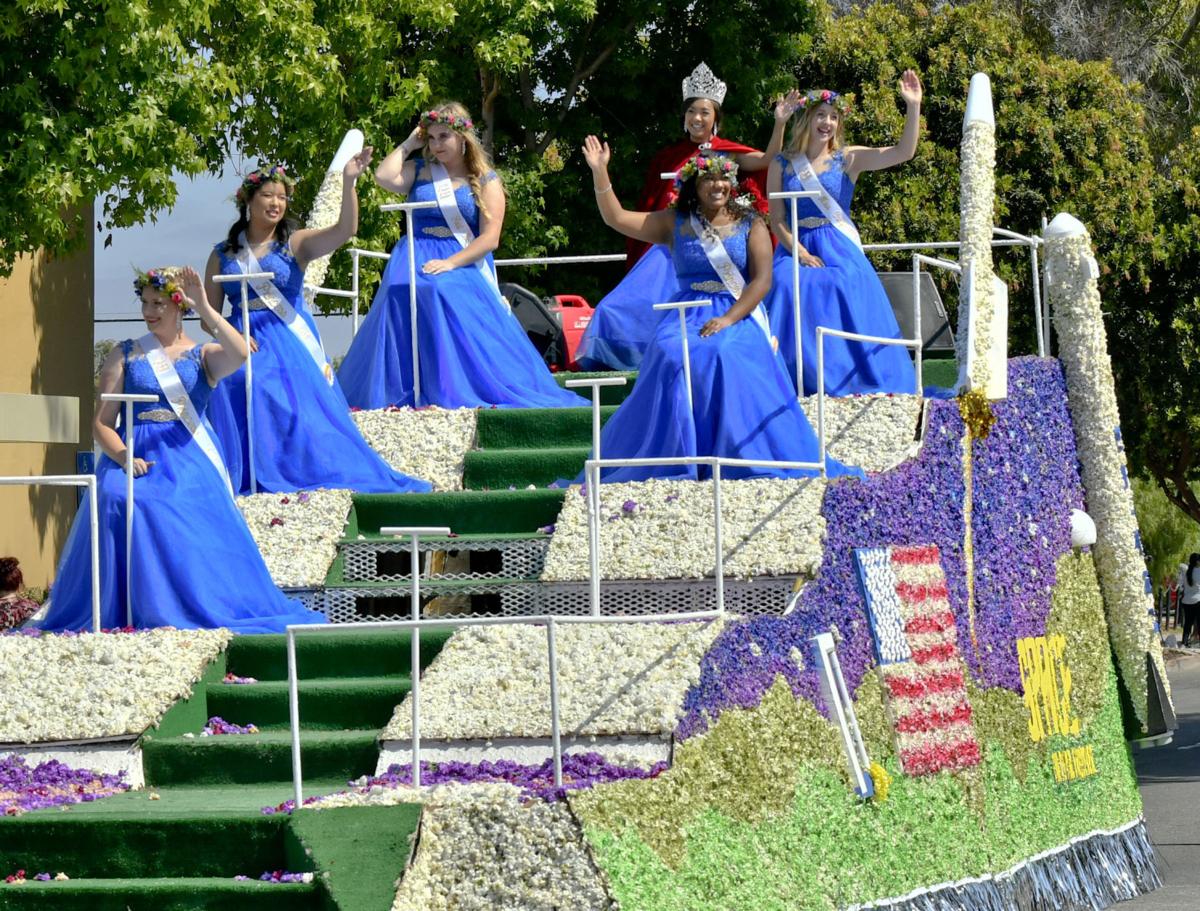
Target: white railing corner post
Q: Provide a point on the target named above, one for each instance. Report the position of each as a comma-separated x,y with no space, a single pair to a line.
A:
718,536
555,733
294,719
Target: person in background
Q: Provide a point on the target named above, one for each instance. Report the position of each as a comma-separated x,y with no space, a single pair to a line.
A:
1189,588
14,609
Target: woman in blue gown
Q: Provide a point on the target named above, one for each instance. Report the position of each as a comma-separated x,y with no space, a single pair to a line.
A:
625,318
741,404
838,285
472,351
304,436
194,563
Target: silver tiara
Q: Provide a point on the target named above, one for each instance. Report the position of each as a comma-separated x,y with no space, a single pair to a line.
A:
703,83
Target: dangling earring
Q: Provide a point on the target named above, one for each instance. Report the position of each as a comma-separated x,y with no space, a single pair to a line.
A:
714,130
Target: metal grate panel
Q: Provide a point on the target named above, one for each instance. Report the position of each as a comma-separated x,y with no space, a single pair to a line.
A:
518,559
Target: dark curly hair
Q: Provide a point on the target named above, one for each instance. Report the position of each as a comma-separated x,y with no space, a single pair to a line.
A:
11,579
688,200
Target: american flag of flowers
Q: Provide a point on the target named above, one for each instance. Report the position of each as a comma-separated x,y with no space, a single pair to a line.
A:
916,645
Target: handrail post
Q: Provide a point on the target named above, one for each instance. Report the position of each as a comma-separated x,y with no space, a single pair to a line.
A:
595,383
591,480
354,255
243,279
1043,331
555,735
821,396
408,208
918,336
796,314
294,718
719,564
687,360
129,398
414,533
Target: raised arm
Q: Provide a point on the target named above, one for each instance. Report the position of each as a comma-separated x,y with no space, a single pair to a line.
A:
651,227
313,243
756,161
228,353
863,158
104,420
396,172
758,258
490,225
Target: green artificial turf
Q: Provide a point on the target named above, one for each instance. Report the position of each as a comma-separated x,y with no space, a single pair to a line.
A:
257,758
499,469
525,428
462,511
96,846
178,894
609,395
382,653
195,802
325,704
361,851
941,371
191,714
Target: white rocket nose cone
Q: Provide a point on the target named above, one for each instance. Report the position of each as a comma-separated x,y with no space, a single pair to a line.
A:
979,101
1065,225
1083,529
352,144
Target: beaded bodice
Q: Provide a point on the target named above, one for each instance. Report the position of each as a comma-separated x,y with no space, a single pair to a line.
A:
422,191
833,179
691,262
289,277
140,378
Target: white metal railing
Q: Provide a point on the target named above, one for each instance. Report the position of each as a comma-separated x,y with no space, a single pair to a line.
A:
129,399
793,197
408,207
244,279
416,625
681,307
73,480
841,709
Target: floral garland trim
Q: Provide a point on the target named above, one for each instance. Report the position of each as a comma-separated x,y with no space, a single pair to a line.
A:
276,173
162,280
839,102
444,119
1071,272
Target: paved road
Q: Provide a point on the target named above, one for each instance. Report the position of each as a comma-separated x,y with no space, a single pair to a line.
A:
1169,779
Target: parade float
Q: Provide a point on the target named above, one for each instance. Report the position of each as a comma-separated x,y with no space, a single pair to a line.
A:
910,691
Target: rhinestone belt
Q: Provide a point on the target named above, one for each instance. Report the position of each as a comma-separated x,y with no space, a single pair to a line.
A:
438,231
711,287
157,415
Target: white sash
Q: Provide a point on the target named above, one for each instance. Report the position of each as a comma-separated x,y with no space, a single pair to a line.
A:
829,206
273,298
448,205
730,275
181,403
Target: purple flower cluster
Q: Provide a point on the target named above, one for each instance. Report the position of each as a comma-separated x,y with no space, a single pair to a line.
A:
218,726
580,770
279,876
51,784
1025,483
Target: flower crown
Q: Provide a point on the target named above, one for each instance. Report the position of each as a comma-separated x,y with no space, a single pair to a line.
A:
839,102
161,280
442,118
704,165
276,173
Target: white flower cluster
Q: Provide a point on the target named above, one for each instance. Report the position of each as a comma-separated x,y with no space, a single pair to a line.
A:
97,684
493,681
1071,273
326,209
978,194
428,443
875,432
482,848
879,580
297,533
660,529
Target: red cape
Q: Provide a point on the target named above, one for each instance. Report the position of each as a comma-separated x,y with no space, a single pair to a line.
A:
656,192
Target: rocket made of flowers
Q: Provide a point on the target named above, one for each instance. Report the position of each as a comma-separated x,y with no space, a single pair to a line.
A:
982,341
327,208
1074,294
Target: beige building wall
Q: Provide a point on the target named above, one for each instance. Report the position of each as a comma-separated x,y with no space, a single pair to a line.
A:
46,311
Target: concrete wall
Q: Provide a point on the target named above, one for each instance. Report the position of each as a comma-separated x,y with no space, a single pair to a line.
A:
46,312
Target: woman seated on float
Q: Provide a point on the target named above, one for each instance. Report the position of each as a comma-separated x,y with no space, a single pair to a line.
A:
740,404
194,563
304,436
838,285
472,351
624,321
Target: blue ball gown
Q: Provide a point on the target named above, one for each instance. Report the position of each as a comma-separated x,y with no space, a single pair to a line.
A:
304,436
625,319
472,351
743,405
195,565
843,294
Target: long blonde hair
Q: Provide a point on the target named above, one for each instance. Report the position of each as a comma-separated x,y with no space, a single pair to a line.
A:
477,160
803,127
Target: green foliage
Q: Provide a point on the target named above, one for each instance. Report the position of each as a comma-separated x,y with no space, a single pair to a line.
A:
1168,534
